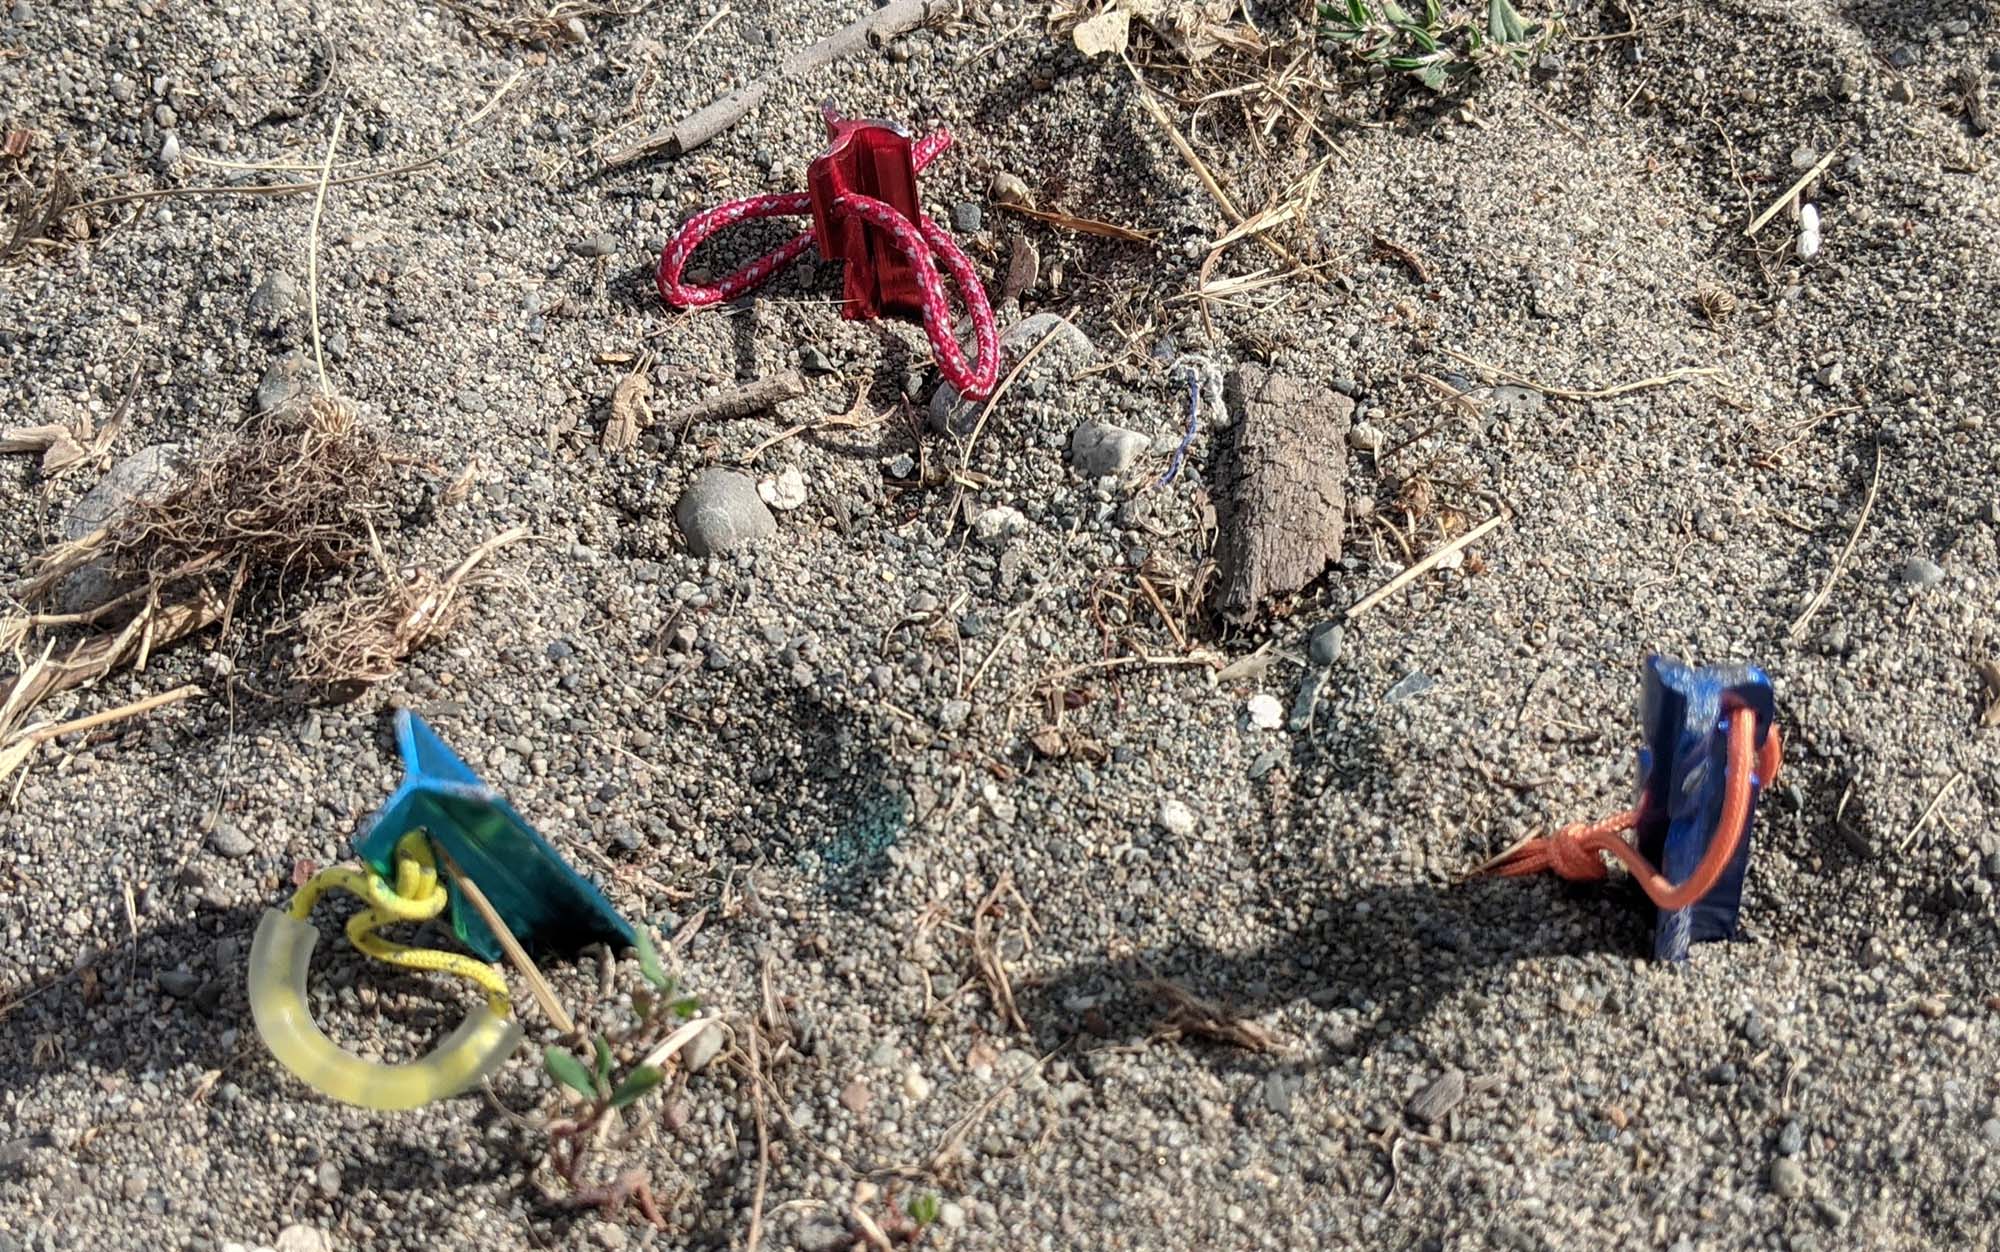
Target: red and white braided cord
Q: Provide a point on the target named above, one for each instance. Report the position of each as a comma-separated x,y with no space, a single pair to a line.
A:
917,241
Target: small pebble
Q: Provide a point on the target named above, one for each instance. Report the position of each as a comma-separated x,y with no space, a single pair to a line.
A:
1788,1178
915,1085
1921,572
1265,711
966,218
1175,818
721,511
1792,1139
1323,645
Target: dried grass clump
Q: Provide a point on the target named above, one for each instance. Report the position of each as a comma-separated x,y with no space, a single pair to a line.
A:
364,639
254,524
291,498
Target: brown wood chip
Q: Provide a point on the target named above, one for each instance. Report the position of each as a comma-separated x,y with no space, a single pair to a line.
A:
1283,489
1435,1101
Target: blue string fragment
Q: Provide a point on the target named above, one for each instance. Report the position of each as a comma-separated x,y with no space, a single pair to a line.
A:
1193,426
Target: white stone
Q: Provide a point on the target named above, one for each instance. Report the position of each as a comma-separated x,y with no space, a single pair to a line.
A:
1265,711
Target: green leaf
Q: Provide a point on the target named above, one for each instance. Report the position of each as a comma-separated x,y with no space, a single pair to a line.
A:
1421,37
1394,13
685,1007
603,1063
569,1071
923,1209
1358,13
635,1084
649,960
1504,24
1434,77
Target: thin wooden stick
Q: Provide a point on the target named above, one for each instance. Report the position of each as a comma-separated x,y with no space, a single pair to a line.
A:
1818,602
1758,223
696,129
312,247
516,954
1930,811
1667,379
42,734
756,1235
1424,566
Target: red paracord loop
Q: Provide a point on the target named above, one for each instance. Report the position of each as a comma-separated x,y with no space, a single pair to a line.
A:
918,241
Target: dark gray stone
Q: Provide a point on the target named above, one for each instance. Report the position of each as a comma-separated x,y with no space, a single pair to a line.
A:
721,512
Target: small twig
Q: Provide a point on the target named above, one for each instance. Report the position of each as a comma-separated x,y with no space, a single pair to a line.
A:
705,124
1930,811
1818,602
312,247
1424,566
756,1236
1603,393
516,954
745,400
42,734
1777,205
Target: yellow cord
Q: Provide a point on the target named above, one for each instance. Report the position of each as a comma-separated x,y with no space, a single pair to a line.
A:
416,896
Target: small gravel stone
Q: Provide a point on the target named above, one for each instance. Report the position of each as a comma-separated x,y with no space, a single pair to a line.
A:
595,246
178,983
1099,450
300,1239
1788,1178
915,1085
1921,572
1792,1139
274,302
703,1048
1365,438
1265,711
721,511
226,840
966,218
1323,645
1175,818
785,492
998,524
1005,188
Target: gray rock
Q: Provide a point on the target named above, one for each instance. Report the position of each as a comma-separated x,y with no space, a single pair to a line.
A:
274,302
1788,1178
998,524
471,401
1902,58
328,1178
595,246
1509,401
720,511
1990,1131
1830,375
226,840
702,1049
1921,572
1100,450
966,218
1792,1139
284,381
1029,331
146,473
1323,645
178,983
1307,700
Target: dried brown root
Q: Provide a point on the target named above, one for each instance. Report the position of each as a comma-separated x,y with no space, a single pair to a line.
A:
290,498
365,639
1191,1016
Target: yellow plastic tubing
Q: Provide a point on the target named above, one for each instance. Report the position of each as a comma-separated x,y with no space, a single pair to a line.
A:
281,953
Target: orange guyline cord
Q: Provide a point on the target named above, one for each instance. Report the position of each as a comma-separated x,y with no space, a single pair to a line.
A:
1572,851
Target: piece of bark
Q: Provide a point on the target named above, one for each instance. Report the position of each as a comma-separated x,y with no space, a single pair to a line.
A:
1283,489
1430,1105
759,397
630,413
874,29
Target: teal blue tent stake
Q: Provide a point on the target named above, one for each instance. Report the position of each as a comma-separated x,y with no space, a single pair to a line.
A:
550,908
